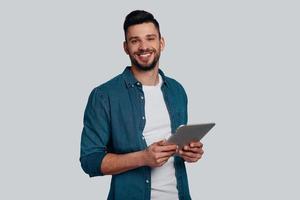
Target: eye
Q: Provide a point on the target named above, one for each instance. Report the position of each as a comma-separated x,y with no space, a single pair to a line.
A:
151,38
133,41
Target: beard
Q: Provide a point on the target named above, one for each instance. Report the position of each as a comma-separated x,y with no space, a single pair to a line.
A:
145,67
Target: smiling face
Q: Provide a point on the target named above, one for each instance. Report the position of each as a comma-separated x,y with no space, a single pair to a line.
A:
143,45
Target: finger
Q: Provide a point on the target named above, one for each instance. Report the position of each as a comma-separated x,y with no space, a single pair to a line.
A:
194,149
164,154
187,159
188,148
171,147
163,143
156,147
190,160
190,154
162,160
196,144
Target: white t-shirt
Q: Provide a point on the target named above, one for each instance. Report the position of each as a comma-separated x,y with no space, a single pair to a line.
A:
158,127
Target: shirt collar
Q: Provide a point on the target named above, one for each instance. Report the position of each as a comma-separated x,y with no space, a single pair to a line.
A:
131,81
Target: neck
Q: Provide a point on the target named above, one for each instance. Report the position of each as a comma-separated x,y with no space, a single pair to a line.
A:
146,77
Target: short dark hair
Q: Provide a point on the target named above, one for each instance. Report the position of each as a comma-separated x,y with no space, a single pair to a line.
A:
139,17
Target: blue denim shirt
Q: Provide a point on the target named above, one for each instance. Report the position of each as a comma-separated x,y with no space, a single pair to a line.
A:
114,120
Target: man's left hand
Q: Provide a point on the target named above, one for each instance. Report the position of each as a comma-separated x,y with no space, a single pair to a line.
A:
192,152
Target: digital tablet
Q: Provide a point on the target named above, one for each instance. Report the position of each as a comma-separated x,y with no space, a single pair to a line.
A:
188,133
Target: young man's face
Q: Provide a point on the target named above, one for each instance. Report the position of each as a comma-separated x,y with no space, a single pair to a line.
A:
143,46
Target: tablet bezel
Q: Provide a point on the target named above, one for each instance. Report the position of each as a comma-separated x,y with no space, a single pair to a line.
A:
188,133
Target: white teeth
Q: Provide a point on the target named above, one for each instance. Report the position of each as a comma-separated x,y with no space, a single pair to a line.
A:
145,55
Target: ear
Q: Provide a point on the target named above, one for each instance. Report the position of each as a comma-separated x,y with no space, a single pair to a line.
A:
125,47
162,43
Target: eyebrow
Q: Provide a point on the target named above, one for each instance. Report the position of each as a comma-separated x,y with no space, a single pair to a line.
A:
136,37
151,35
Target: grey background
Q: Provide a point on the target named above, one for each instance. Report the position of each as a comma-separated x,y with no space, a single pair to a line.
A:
238,61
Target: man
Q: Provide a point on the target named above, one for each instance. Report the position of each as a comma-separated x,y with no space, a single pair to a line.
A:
128,118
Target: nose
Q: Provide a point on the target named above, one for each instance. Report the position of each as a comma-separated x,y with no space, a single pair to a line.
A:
142,45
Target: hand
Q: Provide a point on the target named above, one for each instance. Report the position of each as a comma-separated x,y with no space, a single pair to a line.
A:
158,153
192,152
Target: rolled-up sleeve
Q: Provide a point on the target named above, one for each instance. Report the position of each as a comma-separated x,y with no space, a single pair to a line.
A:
96,132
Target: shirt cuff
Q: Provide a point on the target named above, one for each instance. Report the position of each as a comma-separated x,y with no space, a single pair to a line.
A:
91,164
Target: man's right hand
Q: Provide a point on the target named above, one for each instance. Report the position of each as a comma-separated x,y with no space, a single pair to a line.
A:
158,153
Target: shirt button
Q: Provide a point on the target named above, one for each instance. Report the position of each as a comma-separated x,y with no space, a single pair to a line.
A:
132,85
143,117
138,83
147,181
142,97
